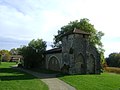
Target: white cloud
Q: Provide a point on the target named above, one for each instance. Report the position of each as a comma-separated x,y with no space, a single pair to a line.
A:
111,47
28,19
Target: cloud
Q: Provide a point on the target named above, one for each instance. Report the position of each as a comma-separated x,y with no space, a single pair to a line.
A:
28,19
9,43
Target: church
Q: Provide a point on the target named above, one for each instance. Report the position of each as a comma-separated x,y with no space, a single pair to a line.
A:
76,56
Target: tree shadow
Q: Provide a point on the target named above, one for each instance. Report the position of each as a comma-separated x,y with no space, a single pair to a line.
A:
38,74
8,70
7,74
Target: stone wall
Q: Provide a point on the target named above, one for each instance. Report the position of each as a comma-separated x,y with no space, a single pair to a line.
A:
67,51
78,56
94,53
79,46
81,57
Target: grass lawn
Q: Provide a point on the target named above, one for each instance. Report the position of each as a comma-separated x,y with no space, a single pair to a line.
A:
11,79
105,81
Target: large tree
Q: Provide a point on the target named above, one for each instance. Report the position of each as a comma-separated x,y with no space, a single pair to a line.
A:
33,53
85,25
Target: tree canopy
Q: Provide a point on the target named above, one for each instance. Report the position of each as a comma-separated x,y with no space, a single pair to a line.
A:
33,53
5,55
85,25
0,58
113,60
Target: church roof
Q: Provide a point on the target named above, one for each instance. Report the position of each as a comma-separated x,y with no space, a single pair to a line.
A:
55,50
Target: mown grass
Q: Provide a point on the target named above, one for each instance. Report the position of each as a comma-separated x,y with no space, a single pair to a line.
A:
11,79
105,81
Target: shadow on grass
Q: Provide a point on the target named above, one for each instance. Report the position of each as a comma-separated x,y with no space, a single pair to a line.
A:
46,71
7,74
15,73
41,74
9,70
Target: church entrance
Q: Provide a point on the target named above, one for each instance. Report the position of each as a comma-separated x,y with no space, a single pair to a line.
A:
91,64
54,64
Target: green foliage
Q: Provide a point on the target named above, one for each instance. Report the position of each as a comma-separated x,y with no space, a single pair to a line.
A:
11,79
105,81
5,55
113,60
85,25
0,58
33,53
102,58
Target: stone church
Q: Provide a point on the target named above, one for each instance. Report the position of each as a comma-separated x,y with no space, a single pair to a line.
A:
77,55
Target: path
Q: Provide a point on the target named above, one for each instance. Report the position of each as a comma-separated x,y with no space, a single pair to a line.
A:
51,80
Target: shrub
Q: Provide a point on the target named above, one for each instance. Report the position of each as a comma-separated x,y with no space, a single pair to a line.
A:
33,54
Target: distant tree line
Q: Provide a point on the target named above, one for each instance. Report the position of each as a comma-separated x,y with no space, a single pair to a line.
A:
113,60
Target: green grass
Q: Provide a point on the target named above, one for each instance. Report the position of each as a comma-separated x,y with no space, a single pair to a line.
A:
11,79
105,81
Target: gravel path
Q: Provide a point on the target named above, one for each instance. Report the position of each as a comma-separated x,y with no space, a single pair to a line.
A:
51,80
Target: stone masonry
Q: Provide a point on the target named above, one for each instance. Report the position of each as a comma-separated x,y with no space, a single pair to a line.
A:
77,55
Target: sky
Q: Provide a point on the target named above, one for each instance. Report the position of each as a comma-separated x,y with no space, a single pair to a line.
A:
24,20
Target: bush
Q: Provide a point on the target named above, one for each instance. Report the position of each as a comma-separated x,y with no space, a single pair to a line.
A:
33,54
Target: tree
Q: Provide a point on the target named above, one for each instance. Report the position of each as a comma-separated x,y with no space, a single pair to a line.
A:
5,55
33,53
85,25
0,58
113,60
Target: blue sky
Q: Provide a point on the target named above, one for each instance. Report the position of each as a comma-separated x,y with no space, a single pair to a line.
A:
24,20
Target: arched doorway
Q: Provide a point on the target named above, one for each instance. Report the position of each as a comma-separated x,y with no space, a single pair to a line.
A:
91,64
79,64
53,64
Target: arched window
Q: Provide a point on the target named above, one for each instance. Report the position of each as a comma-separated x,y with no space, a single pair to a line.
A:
53,64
